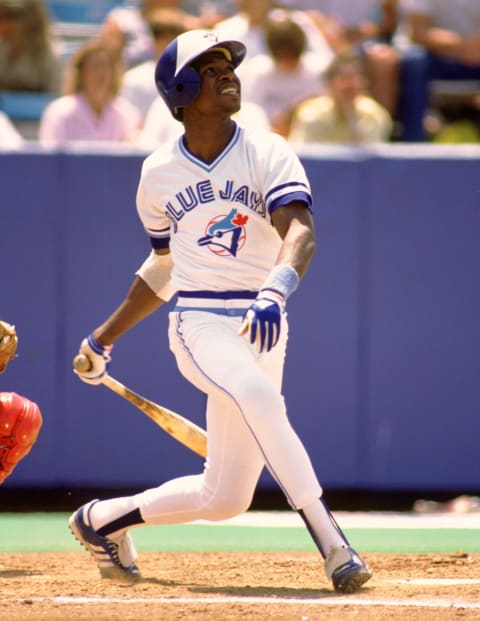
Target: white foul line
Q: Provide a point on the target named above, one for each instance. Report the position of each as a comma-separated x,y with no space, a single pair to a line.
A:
322,601
436,581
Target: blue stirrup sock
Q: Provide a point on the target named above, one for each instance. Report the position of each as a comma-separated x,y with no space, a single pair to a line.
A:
323,528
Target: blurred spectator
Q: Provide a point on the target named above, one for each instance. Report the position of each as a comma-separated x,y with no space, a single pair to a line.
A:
127,30
160,126
344,115
27,58
456,123
459,504
248,25
352,23
366,27
91,108
446,38
10,137
288,74
208,12
138,84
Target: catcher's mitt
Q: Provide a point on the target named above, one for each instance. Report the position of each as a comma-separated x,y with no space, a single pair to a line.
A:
8,344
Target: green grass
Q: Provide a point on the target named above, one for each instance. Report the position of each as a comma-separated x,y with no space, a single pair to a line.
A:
48,532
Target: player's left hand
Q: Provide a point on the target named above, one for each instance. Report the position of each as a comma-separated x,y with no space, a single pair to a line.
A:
262,320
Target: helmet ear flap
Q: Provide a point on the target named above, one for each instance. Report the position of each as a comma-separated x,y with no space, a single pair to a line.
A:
182,91
176,90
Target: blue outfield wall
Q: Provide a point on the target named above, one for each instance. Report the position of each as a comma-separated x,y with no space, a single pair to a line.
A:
382,376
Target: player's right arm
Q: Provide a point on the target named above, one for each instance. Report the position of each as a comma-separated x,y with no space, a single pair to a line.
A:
140,302
148,291
143,298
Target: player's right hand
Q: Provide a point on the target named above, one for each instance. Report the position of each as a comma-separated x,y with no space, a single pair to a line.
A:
99,358
262,320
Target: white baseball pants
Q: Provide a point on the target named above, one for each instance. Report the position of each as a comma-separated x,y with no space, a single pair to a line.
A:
246,419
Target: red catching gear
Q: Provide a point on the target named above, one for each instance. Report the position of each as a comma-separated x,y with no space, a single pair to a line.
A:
20,423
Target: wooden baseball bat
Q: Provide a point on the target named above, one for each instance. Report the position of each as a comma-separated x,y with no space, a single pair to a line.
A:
180,428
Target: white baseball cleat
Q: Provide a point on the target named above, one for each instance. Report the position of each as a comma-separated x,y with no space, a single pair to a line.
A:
346,569
115,557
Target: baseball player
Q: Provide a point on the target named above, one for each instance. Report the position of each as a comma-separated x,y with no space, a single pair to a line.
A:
228,213
20,418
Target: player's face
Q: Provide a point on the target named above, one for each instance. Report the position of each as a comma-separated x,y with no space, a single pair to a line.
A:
220,86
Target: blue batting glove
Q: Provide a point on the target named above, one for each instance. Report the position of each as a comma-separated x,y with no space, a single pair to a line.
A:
262,320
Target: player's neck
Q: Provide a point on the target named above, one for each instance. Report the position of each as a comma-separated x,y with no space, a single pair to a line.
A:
208,140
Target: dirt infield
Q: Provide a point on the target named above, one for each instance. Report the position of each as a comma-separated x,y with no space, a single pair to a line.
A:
232,586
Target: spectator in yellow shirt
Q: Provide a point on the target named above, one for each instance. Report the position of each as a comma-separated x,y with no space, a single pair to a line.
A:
345,114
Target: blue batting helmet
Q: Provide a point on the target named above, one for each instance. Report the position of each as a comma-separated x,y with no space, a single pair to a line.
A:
177,82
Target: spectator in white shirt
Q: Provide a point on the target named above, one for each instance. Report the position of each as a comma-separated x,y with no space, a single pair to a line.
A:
248,26
280,80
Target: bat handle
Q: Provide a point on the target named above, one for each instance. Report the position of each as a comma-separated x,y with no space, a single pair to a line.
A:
82,363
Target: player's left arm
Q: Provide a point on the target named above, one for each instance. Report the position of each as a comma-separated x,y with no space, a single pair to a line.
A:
294,224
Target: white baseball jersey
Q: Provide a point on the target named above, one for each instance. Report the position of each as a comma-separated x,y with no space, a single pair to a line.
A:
216,217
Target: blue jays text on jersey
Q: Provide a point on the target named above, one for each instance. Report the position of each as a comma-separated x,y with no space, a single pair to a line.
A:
203,192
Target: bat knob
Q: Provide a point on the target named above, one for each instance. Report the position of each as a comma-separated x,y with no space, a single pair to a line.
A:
81,363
